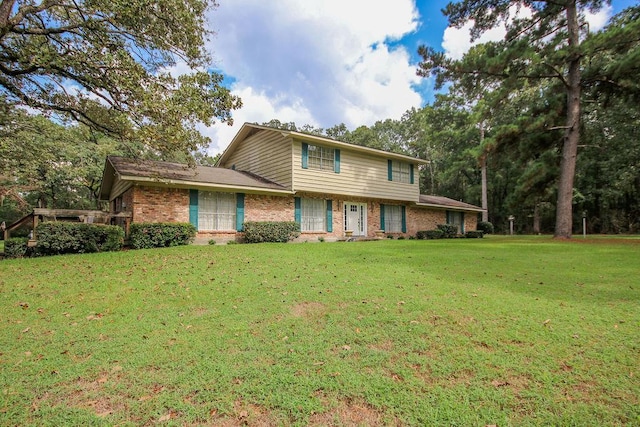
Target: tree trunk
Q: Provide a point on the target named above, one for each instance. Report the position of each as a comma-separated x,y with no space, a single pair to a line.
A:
564,208
536,219
483,172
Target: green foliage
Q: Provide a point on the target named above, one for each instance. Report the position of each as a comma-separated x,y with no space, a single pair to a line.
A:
429,234
474,234
485,226
117,52
448,231
259,232
55,238
159,235
211,242
54,165
15,247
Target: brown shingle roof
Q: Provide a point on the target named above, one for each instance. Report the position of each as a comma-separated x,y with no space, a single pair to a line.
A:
446,202
177,172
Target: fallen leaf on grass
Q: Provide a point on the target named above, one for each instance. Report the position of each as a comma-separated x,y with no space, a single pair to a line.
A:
546,321
167,417
24,331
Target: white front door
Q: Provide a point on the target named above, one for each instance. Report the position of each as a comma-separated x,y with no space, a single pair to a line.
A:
355,218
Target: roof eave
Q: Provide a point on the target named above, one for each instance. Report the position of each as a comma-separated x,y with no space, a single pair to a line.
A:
451,208
312,138
195,184
354,147
108,166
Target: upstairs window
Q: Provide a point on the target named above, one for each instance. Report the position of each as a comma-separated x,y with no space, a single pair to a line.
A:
321,158
400,171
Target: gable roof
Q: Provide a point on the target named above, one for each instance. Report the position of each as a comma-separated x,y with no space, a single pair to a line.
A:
445,202
249,129
181,175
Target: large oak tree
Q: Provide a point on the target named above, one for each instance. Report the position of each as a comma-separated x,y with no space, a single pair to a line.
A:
105,63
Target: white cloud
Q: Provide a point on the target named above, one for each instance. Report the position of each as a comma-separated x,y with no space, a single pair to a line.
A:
457,41
598,20
318,63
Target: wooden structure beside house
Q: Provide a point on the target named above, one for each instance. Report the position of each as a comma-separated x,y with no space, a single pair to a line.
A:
69,215
329,187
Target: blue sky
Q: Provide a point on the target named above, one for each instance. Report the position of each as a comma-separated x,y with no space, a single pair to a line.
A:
326,62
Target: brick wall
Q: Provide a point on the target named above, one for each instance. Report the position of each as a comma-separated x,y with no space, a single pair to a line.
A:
419,219
268,208
158,204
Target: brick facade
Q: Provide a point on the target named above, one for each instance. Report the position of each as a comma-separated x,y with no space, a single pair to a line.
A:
420,219
159,204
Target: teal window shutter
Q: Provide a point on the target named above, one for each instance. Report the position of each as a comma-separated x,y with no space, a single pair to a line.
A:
239,211
404,219
297,214
193,208
411,173
390,170
336,161
329,216
382,217
305,155
448,220
461,222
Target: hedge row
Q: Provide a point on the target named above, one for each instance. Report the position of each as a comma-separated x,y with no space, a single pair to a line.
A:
16,247
446,231
260,232
160,235
55,238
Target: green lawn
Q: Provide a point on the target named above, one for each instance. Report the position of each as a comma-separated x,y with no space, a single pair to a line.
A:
506,331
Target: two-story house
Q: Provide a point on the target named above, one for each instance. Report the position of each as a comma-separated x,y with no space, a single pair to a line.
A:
332,189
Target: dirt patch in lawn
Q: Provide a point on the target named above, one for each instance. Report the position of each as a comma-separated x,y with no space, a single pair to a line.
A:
308,309
85,394
352,413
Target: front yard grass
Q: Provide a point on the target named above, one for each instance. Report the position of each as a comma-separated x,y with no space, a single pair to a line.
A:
504,331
